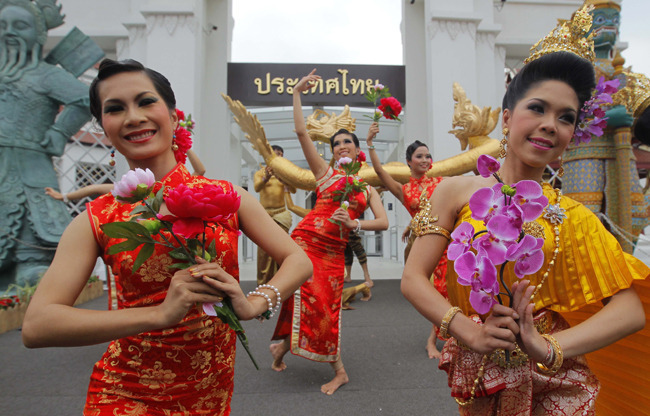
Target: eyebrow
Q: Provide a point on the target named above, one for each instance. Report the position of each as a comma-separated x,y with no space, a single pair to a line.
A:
570,109
117,100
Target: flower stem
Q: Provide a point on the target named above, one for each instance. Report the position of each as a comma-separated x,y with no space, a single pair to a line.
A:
168,228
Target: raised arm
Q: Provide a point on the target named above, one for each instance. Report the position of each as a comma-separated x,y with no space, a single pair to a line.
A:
316,163
391,184
197,165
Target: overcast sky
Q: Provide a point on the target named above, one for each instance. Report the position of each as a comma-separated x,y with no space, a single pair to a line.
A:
366,32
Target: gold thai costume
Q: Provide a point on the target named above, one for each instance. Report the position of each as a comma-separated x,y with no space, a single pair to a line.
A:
589,266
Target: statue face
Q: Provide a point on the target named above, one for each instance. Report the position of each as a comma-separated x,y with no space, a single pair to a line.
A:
605,27
17,23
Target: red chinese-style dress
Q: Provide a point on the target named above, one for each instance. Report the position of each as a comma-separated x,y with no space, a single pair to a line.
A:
590,266
411,193
312,316
187,369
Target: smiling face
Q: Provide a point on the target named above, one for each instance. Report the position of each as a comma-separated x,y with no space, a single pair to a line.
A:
343,146
136,119
541,124
420,161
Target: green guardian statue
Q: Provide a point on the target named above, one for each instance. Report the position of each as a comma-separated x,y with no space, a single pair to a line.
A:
41,106
602,174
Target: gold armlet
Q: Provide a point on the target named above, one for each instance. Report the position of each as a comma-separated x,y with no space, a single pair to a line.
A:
423,222
558,357
446,320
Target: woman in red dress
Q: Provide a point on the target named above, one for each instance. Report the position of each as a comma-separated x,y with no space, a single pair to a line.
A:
419,161
310,322
166,356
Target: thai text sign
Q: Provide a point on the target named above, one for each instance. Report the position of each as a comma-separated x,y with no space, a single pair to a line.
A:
272,84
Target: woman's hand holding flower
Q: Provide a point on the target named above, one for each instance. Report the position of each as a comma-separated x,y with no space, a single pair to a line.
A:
373,130
343,216
529,340
184,292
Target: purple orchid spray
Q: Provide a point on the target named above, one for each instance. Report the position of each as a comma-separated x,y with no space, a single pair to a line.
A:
477,254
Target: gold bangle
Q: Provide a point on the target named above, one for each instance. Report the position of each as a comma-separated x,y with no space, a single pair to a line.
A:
558,357
422,223
446,320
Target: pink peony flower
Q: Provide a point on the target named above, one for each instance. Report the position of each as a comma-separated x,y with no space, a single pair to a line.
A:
135,186
343,161
192,206
379,87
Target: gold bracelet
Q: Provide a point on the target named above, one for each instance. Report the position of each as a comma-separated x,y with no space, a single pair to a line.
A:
446,320
558,357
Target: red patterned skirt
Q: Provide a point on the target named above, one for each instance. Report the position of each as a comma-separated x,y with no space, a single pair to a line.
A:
312,317
520,389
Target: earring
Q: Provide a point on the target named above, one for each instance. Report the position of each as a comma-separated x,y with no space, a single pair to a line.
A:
111,162
560,170
502,150
174,145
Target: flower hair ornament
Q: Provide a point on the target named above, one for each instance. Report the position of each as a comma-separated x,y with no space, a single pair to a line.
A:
573,36
182,136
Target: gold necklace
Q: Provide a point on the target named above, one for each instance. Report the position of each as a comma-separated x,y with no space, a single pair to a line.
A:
555,215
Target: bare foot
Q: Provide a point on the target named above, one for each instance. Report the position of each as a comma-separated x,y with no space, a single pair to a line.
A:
432,350
340,378
346,279
278,350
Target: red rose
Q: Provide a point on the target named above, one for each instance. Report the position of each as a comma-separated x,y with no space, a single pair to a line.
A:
192,206
390,107
361,157
183,139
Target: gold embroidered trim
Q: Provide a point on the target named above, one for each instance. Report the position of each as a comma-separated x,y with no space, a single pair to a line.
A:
423,222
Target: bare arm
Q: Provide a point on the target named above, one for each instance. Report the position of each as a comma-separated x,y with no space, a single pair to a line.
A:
95,189
500,327
295,266
51,320
391,184
621,316
379,223
316,163
197,165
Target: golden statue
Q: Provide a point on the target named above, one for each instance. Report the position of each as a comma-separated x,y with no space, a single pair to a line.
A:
475,123
322,125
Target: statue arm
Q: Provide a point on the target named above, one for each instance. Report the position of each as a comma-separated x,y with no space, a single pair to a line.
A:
259,180
197,165
299,211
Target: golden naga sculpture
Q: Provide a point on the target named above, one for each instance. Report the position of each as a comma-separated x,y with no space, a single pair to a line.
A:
322,125
475,123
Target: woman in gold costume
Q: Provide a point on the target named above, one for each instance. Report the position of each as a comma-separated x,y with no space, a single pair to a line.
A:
526,359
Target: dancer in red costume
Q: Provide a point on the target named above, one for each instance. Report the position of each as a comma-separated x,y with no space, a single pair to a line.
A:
419,161
310,322
166,355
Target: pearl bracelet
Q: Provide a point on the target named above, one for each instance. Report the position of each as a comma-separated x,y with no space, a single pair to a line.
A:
272,310
358,227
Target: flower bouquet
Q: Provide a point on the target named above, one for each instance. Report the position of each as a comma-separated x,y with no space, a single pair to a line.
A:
506,211
349,184
192,209
389,106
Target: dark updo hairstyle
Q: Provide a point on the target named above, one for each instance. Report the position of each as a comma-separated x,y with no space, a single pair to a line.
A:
412,148
567,67
277,147
109,67
344,131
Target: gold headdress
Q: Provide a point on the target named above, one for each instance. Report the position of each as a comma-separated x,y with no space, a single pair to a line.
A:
601,4
568,36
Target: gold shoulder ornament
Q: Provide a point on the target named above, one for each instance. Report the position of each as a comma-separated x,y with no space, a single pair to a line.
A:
423,222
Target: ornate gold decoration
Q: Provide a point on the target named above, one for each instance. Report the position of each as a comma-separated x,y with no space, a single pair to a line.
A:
446,320
568,36
533,229
304,179
422,223
322,125
473,120
503,149
636,93
602,4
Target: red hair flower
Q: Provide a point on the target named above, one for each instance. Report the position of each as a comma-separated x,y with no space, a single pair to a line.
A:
361,157
183,138
391,108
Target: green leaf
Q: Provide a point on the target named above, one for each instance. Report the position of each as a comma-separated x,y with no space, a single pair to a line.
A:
212,248
125,230
179,254
127,245
145,252
157,201
180,266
